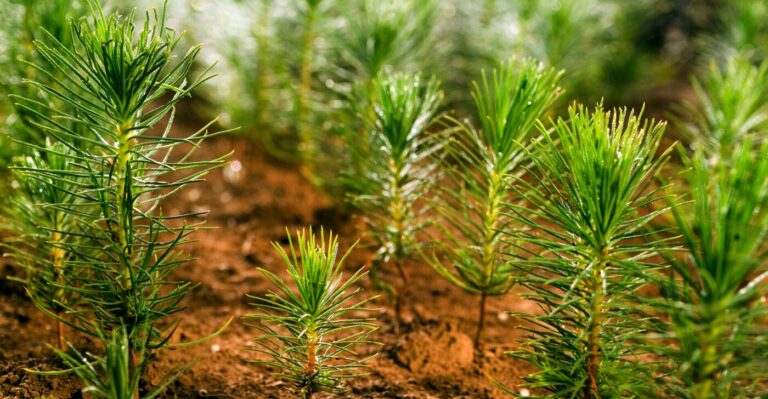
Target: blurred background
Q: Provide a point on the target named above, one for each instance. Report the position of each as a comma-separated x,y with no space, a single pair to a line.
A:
294,75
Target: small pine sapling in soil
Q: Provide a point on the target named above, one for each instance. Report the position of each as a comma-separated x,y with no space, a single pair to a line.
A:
714,337
481,165
380,37
397,170
117,83
314,323
589,201
36,227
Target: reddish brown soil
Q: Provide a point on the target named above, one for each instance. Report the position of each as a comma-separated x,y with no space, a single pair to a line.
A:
430,357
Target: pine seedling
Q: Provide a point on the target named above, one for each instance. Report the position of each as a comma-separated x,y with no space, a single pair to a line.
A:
715,336
379,37
715,320
311,324
31,228
589,201
397,170
34,224
732,108
481,165
117,84
270,52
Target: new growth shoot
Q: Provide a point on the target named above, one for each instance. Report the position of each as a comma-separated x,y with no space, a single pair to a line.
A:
396,171
481,166
105,174
312,327
587,251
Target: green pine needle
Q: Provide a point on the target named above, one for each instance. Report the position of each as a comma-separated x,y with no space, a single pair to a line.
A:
96,191
312,325
481,164
587,252
397,171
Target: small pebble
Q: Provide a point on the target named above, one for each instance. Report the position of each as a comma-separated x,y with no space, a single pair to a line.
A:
232,174
503,316
525,393
193,195
215,348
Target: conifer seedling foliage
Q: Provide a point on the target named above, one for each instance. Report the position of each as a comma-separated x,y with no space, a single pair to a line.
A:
36,243
380,37
587,251
386,35
117,373
311,324
731,108
397,171
481,165
716,322
116,82
21,22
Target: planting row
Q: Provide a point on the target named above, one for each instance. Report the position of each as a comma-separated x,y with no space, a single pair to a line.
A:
646,259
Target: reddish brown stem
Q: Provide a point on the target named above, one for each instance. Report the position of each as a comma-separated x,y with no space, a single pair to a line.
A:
60,334
398,311
134,365
480,320
401,293
404,277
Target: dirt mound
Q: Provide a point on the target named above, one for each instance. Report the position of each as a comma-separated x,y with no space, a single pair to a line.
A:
443,351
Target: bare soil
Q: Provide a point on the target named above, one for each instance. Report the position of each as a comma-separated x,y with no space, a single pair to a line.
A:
428,356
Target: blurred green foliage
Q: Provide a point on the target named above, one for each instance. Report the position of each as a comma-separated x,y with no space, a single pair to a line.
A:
21,23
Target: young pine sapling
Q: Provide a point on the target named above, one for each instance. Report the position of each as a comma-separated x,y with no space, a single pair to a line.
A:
397,169
714,304
380,37
481,165
712,299
116,85
589,201
312,325
34,222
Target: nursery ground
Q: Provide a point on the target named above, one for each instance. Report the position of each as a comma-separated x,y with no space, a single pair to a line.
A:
251,201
